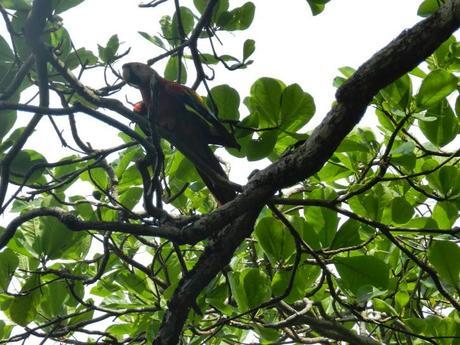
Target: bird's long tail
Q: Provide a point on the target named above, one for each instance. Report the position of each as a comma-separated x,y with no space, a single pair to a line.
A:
206,164
221,191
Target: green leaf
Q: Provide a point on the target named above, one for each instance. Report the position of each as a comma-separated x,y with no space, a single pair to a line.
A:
60,40
5,330
237,288
171,70
98,177
207,59
108,53
401,210
166,29
384,307
371,204
248,48
153,39
265,101
323,221
399,93
227,100
65,169
267,335
445,256
316,6
131,197
260,147
20,5
305,278
358,271
24,163
348,235
445,213
7,120
445,55
333,172
427,8
250,288
239,18
297,108
6,54
8,263
257,287
220,7
401,299
54,238
445,128
347,71
63,5
80,57
23,308
55,298
446,180
436,86
275,240
187,19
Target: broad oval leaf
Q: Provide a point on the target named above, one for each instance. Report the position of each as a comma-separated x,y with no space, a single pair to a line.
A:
401,210
257,287
358,271
399,93
239,18
8,263
436,86
227,100
172,70
427,8
63,5
265,101
108,53
6,54
348,235
28,165
23,308
187,20
275,239
305,278
297,108
445,256
7,120
248,48
444,128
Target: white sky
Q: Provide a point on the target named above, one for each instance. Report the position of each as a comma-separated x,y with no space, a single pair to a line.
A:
291,45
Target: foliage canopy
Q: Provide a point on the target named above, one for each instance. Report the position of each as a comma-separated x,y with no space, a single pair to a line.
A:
348,236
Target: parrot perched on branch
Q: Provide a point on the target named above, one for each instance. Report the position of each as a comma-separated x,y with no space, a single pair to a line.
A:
180,116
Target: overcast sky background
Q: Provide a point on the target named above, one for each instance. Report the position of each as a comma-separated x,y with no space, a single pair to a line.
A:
291,45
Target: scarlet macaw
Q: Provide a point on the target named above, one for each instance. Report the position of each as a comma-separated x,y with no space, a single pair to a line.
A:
183,120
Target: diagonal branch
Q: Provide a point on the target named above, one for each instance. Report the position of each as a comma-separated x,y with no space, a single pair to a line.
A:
400,56
409,49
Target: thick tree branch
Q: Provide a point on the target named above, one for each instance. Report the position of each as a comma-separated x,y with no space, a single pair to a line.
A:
409,49
404,53
216,256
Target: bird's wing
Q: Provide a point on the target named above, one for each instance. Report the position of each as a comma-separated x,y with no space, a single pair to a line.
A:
194,104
